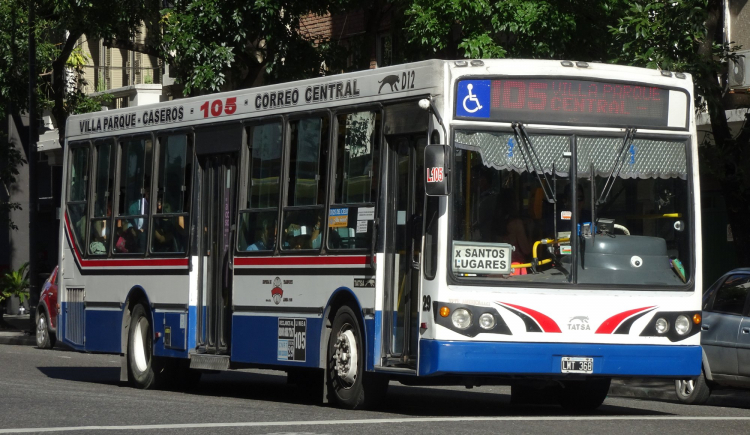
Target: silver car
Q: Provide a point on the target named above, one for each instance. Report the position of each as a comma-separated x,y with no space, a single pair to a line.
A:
725,338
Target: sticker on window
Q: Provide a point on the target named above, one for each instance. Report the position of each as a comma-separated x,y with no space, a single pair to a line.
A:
566,215
338,218
481,258
366,213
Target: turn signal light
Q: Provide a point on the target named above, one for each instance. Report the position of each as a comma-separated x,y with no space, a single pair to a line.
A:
697,318
445,311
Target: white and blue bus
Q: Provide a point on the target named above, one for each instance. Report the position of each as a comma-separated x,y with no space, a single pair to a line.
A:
521,222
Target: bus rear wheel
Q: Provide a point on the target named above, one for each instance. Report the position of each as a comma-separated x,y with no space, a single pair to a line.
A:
144,369
348,384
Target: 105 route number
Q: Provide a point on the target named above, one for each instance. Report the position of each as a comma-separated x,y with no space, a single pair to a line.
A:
216,107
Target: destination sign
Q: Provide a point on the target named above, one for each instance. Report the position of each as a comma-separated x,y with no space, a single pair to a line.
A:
481,258
563,101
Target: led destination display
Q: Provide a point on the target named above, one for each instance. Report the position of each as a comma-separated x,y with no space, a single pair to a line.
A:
564,102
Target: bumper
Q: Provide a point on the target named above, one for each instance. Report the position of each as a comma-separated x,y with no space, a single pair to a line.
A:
485,358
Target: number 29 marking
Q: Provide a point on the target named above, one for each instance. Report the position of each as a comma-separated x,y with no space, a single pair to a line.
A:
216,107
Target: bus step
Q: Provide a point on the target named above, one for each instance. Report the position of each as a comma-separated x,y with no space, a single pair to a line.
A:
209,362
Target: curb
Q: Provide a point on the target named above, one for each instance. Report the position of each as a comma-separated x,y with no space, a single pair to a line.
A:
17,339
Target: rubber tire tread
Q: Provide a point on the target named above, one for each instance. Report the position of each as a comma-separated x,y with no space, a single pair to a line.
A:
151,377
49,339
369,389
699,396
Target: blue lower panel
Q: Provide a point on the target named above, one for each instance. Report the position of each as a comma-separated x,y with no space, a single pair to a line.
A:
103,330
265,340
456,357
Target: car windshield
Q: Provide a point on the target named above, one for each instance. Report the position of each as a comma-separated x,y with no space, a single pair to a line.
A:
522,212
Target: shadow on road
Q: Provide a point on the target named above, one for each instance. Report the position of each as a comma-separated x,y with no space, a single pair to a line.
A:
94,375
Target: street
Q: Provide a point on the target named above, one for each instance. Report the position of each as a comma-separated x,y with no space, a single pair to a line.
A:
63,391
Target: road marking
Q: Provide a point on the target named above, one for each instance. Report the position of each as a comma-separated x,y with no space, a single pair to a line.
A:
368,421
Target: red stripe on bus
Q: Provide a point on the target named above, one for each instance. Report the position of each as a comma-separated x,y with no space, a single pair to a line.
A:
125,262
301,261
613,322
544,321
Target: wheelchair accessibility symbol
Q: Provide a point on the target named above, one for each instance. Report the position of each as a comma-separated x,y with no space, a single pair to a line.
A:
473,98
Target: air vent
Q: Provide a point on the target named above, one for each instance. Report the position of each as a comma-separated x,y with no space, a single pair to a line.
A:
739,71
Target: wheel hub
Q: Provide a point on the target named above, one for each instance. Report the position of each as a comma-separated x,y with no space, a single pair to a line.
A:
346,356
41,329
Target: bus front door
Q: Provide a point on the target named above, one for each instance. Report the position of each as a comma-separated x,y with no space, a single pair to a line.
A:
403,245
216,222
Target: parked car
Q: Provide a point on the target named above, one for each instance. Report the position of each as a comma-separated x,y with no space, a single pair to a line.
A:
46,313
725,338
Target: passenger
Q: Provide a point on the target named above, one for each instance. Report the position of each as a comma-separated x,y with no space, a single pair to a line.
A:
264,240
169,232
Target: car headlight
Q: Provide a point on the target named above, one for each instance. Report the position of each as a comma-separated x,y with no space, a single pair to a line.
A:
662,326
682,325
487,321
461,318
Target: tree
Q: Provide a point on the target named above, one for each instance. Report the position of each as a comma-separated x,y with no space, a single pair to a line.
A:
214,45
682,36
675,35
14,283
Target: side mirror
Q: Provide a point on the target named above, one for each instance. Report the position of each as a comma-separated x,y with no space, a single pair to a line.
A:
437,163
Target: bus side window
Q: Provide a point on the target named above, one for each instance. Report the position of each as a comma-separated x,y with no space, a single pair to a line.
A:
352,212
78,192
100,232
131,225
308,164
170,224
258,226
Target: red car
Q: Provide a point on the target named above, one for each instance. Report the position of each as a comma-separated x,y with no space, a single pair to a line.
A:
46,313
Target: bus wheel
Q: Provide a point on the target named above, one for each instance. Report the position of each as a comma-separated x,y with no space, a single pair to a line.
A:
143,369
584,395
346,361
693,392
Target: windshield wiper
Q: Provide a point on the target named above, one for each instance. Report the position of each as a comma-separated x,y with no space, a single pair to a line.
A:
617,166
529,154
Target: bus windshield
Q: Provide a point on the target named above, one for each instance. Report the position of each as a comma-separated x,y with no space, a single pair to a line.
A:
628,198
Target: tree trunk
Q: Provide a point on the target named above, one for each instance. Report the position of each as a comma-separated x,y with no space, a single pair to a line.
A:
59,111
734,183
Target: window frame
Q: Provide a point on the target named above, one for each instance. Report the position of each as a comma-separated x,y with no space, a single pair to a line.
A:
333,171
79,245
119,140
244,183
189,178
286,171
574,133
94,171
715,292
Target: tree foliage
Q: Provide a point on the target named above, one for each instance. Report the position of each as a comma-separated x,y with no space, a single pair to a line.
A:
214,45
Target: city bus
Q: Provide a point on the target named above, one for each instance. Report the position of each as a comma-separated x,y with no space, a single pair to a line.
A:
529,223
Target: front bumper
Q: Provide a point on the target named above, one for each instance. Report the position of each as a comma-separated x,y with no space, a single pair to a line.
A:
502,358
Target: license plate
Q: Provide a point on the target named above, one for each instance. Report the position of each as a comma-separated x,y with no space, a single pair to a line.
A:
574,364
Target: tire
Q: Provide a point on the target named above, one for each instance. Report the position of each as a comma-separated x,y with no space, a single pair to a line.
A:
348,384
144,370
44,338
693,392
584,395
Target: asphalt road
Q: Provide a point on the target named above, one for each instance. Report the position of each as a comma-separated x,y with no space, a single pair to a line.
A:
61,391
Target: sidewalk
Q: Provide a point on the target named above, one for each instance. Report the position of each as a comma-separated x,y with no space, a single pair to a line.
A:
19,334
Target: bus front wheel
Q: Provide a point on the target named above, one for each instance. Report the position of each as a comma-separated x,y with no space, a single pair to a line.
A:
348,385
143,367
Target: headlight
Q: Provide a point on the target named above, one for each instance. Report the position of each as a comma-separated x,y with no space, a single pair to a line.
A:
487,321
662,326
682,325
461,318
